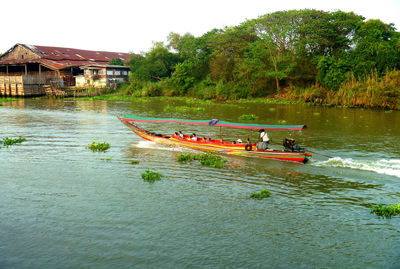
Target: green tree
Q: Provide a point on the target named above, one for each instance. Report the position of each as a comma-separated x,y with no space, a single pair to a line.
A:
377,48
156,65
116,61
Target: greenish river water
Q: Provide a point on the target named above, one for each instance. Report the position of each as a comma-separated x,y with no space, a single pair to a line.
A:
63,206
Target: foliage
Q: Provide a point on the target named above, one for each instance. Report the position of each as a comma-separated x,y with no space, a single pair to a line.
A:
116,61
248,117
260,195
12,141
183,109
386,211
303,54
206,159
185,157
151,176
99,147
134,162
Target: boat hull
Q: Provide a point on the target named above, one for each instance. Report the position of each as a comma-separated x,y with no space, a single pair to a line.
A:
223,148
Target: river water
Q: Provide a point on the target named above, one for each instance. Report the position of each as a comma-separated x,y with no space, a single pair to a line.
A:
63,206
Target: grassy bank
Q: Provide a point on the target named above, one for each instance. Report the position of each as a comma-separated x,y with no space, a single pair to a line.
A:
371,92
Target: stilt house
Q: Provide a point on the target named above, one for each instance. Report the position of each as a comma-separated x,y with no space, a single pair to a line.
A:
27,70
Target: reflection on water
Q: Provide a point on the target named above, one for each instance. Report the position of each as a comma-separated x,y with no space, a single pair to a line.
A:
62,205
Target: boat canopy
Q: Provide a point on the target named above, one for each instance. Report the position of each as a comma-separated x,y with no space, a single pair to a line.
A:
214,122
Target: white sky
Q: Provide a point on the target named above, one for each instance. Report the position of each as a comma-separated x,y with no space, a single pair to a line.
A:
132,26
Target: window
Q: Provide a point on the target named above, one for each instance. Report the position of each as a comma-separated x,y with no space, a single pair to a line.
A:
109,72
101,72
117,73
124,73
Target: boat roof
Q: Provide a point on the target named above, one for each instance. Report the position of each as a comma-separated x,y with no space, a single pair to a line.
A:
214,122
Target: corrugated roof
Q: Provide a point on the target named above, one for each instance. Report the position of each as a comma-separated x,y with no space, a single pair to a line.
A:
60,58
58,53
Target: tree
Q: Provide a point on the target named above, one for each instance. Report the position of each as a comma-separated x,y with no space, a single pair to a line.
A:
377,48
277,32
156,65
116,61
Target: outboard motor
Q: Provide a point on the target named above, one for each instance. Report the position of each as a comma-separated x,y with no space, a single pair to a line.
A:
289,144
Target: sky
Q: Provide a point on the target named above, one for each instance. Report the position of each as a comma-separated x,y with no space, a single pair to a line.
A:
133,26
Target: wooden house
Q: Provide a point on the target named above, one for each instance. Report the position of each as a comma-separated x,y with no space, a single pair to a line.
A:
26,70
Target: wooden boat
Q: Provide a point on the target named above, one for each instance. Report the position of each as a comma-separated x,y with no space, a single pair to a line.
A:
291,153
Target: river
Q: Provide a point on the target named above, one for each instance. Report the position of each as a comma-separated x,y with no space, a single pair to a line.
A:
64,206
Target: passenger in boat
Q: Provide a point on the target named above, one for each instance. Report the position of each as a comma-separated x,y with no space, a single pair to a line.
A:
263,140
180,134
239,141
233,142
193,137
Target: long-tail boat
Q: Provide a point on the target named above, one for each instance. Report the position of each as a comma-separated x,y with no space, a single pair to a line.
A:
291,151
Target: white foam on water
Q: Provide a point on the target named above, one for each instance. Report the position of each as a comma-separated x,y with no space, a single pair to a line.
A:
154,145
388,167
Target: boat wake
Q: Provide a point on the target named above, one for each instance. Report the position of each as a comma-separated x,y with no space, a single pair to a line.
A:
383,166
154,145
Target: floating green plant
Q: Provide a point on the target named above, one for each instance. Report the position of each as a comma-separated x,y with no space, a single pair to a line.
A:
10,141
272,109
100,147
106,159
281,121
170,108
134,162
386,211
151,176
185,157
207,159
260,195
248,117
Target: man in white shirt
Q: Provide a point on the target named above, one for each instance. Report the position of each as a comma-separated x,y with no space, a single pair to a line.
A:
263,141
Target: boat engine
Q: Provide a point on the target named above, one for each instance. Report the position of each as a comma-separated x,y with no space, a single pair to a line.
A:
289,144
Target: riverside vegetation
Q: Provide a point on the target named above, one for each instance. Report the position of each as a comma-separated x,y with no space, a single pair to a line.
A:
310,56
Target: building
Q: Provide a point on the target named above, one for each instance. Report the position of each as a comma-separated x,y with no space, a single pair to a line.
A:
27,70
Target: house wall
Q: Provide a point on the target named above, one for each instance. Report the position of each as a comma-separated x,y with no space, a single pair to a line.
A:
22,85
19,53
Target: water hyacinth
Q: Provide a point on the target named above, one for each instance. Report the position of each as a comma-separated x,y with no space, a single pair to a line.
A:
260,195
99,147
206,159
151,176
386,211
10,141
183,109
248,117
